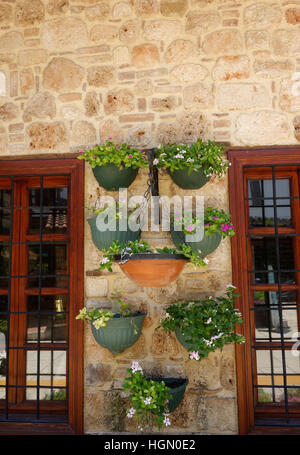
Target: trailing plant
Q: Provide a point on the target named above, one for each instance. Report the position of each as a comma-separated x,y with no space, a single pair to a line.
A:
121,155
214,220
207,156
149,398
205,325
118,209
125,250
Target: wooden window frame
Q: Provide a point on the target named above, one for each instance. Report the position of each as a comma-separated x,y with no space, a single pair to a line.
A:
239,158
74,168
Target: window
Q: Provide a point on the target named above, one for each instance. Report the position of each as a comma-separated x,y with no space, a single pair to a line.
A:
265,205
41,272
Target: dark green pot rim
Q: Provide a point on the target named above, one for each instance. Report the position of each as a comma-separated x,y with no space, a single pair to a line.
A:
183,382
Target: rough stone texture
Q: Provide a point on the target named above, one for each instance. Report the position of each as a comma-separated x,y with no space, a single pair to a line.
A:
286,43
222,42
296,124
199,22
40,105
100,76
228,68
6,13
32,57
62,74
91,104
262,127
129,31
64,32
57,7
189,72
199,96
11,40
257,39
8,111
46,136
292,15
179,51
110,128
173,7
161,30
145,55
29,12
98,12
104,33
262,15
272,69
242,96
289,95
119,101
83,133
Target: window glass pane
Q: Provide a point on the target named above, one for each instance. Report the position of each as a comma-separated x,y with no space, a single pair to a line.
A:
4,221
50,323
261,209
264,259
267,315
53,262
54,210
4,265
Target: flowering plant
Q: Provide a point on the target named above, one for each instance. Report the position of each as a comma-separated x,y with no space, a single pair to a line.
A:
215,221
99,317
199,155
122,155
125,250
205,325
149,398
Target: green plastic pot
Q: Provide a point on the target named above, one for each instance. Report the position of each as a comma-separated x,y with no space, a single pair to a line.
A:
177,390
104,239
207,245
111,177
119,333
192,181
180,338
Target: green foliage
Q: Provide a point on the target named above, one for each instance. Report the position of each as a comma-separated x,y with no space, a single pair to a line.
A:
124,250
121,155
119,209
215,221
199,155
205,325
149,398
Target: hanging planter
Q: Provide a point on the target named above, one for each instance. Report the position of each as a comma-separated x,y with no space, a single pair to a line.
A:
152,399
153,270
115,331
119,333
114,166
202,326
217,226
177,389
148,268
189,180
104,239
192,166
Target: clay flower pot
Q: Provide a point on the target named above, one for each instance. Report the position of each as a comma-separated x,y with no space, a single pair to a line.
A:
177,386
119,333
153,269
104,239
192,181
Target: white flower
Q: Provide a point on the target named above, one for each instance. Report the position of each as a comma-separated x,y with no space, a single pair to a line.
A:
167,315
136,367
178,155
148,400
194,355
162,154
104,260
167,421
231,286
130,413
208,321
206,260
155,161
190,159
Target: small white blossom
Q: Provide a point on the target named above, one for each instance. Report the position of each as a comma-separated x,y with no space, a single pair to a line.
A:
148,400
208,321
167,421
231,286
136,367
206,260
155,161
130,413
104,260
194,355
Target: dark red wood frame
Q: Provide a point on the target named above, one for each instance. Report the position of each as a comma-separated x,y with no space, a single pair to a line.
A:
239,159
75,170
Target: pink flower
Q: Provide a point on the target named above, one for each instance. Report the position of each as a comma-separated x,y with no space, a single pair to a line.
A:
215,217
129,156
144,156
189,228
118,146
110,138
225,227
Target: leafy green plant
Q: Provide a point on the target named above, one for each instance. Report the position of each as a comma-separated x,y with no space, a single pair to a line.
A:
149,398
99,317
125,250
121,155
205,325
121,209
215,221
199,155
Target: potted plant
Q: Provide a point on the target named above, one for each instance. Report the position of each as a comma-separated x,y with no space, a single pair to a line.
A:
217,226
114,165
104,238
205,325
192,166
147,267
152,399
114,330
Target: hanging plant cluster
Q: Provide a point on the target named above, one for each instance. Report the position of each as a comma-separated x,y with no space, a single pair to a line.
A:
201,326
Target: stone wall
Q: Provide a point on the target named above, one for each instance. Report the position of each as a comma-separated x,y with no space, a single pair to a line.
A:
75,72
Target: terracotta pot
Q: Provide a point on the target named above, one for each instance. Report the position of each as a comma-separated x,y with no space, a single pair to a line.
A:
153,269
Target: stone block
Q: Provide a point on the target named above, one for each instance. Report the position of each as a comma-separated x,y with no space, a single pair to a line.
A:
11,40
29,12
97,374
231,67
189,72
61,74
6,13
98,12
262,15
118,101
100,76
64,32
46,136
198,96
104,33
161,30
145,55
172,8
199,21
241,96
180,51
31,57
8,111
40,105
96,287
226,41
